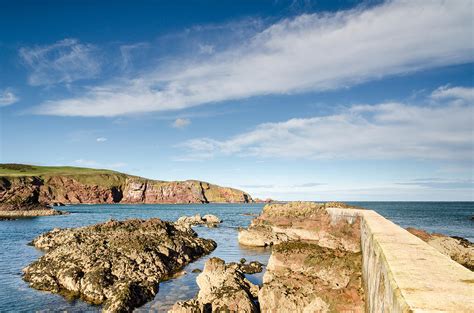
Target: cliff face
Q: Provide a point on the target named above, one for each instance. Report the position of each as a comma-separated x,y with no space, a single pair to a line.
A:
110,188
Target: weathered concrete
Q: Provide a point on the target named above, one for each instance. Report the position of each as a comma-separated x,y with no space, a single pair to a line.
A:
402,273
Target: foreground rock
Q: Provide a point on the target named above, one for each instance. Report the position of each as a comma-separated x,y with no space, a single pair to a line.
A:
118,263
208,220
458,249
301,221
304,277
316,263
223,288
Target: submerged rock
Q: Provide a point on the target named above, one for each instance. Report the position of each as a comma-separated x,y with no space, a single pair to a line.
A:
458,249
118,263
223,288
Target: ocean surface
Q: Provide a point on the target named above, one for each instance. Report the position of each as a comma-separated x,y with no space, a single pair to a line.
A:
451,218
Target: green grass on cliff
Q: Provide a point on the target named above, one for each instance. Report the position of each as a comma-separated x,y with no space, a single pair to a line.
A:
88,176
35,170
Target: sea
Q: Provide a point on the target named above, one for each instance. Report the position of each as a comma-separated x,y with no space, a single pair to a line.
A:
450,218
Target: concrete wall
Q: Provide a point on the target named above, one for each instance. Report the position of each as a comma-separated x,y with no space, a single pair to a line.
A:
402,273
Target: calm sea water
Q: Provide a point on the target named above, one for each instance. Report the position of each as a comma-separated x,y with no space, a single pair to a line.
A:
452,218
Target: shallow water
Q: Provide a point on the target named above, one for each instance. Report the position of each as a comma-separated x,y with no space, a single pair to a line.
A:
452,218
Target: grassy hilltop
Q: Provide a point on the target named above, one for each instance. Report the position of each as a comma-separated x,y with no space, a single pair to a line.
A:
35,170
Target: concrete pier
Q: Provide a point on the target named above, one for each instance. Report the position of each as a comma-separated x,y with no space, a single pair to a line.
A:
402,273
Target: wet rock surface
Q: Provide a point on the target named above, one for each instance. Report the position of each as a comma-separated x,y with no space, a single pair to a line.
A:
223,288
458,249
117,264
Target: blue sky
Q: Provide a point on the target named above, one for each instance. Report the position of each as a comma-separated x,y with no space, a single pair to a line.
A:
309,100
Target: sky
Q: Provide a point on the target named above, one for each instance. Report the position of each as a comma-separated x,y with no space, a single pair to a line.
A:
290,100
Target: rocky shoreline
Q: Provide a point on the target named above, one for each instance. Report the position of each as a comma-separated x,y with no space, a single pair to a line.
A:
117,264
222,288
10,211
315,263
29,213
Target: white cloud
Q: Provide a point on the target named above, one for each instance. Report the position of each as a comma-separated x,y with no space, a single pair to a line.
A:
383,131
308,53
95,164
101,139
127,52
206,49
62,62
89,163
439,183
7,97
181,122
447,92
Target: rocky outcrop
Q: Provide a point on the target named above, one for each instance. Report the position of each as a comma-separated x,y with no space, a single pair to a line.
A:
12,214
304,277
316,263
458,249
208,220
20,198
307,221
222,288
118,263
111,188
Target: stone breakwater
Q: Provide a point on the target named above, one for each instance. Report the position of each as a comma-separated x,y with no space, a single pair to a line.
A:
336,258
117,264
402,273
458,249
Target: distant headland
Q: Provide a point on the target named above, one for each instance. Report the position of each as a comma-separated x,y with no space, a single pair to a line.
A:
32,188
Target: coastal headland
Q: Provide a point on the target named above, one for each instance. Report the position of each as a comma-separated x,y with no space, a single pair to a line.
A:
28,190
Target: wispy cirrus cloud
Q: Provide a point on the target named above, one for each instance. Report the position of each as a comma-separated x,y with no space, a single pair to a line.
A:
7,97
272,186
448,92
311,52
128,53
384,131
65,61
440,183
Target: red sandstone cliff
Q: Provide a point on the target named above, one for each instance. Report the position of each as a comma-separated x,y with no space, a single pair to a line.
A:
111,188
